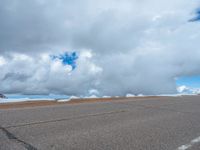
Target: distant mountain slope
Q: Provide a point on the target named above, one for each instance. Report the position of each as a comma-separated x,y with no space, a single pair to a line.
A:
2,96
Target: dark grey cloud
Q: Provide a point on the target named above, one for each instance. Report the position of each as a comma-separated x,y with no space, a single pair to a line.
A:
15,76
29,25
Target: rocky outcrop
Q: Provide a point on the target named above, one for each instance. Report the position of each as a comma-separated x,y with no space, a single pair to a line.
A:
2,96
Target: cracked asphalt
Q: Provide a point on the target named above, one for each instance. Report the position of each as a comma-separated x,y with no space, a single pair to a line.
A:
159,123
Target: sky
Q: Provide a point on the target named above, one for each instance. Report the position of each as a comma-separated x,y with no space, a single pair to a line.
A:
102,47
193,82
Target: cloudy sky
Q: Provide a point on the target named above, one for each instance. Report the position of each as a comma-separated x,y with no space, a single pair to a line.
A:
101,47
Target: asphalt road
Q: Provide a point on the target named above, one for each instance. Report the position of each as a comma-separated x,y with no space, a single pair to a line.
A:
167,123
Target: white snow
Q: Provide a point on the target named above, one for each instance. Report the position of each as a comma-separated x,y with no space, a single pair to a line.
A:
140,95
64,100
22,100
106,97
130,95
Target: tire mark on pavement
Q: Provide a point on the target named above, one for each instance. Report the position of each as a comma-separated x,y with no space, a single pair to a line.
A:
65,119
163,107
17,140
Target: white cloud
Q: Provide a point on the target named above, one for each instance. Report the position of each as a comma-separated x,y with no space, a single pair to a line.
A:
188,90
183,89
2,61
124,46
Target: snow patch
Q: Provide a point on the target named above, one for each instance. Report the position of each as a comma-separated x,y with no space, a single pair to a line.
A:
141,95
130,95
68,99
106,96
64,100
23,100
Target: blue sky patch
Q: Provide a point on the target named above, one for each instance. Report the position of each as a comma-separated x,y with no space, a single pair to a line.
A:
193,81
197,17
68,58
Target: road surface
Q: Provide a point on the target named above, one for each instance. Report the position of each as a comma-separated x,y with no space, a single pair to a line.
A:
162,123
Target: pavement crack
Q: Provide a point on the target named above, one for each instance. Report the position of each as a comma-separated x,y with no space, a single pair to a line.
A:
163,107
12,137
65,119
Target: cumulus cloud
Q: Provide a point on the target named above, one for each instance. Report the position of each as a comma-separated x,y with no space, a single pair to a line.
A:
188,90
124,46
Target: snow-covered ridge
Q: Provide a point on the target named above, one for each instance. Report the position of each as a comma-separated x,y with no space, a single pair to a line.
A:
9,100
182,90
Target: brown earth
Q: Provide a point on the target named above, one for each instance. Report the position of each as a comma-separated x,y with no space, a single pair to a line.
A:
11,105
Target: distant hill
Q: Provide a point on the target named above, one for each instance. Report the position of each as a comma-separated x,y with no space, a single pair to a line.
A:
2,96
